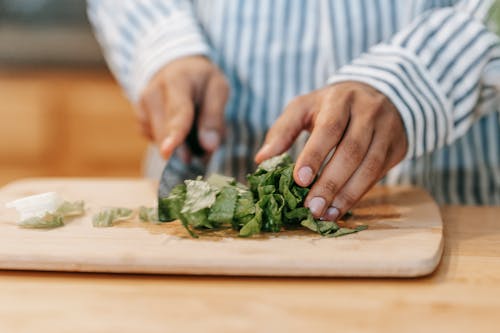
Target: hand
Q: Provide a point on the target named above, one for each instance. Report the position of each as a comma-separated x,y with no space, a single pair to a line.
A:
166,109
363,127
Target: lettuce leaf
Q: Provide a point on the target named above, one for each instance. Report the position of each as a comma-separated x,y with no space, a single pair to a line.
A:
47,221
107,217
222,211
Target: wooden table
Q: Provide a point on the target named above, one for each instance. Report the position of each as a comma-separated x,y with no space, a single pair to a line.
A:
463,295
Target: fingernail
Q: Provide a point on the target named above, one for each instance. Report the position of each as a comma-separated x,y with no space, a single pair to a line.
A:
332,214
210,139
305,175
264,149
166,144
316,205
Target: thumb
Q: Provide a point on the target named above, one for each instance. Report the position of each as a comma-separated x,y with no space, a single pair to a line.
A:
211,117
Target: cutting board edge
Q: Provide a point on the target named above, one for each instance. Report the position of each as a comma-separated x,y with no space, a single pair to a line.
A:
425,267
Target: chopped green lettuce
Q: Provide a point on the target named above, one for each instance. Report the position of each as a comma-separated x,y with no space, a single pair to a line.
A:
254,225
198,219
68,208
169,208
347,231
271,202
223,209
148,214
219,181
107,217
199,195
273,163
47,221
244,205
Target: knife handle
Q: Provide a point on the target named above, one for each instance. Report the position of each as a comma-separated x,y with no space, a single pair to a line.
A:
192,140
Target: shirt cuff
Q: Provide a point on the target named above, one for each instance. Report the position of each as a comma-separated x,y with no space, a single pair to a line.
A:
176,37
400,75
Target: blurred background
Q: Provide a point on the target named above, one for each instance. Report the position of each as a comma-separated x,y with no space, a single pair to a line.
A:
61,112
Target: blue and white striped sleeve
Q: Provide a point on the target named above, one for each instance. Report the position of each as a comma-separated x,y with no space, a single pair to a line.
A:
141,36
436,72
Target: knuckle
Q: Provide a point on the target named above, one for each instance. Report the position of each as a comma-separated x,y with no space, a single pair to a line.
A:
332,129
345,89
297,103
339,95
353,150
379,101
329,187
349,95
347,198
374,166
374,106
314,158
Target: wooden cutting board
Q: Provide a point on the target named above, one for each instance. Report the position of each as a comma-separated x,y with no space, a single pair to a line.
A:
404,239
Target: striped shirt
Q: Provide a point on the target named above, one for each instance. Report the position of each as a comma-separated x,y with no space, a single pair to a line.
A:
438,61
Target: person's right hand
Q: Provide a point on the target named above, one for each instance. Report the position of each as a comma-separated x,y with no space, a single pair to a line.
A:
166,110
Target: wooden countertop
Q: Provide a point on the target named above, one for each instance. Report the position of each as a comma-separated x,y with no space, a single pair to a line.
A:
463,295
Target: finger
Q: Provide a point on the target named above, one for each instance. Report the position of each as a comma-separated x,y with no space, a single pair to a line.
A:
145,130
287,127
329,127
372,168
172,121
151,102
142,115
211,119
344,162
143,124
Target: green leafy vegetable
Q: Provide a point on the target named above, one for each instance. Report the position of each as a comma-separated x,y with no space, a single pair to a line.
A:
223,209
148,214
321,227
254,225
274,163
297,215
347,231
220,181
48,221
245,205
199,219
54,219
272,201
107,217
169,208
285,184
199,195
67,209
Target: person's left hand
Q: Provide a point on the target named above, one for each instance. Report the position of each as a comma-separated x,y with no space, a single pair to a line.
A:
363,127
